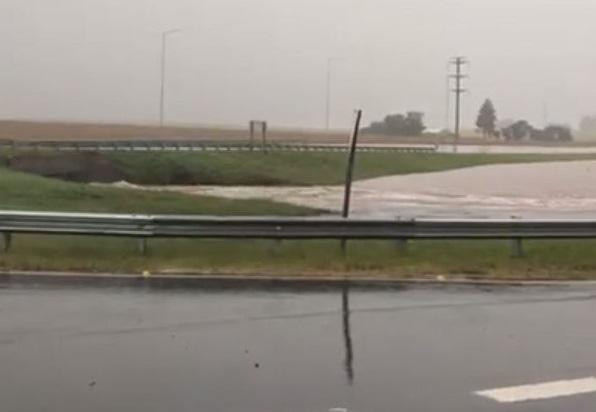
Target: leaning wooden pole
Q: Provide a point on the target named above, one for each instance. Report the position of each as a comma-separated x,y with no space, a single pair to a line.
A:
350,170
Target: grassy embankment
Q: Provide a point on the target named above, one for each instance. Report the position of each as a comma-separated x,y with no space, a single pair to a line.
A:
545,259
482,260
20,191
286,168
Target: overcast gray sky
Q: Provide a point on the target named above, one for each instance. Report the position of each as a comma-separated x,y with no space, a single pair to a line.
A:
238,59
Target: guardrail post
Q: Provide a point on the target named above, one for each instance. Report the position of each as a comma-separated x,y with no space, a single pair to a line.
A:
401,244
6,241
275,245
143,246
517,248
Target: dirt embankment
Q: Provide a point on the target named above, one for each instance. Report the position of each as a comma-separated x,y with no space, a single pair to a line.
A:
77,167
97,167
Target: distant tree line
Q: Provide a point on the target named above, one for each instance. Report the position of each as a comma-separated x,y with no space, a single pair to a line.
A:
522,129
411,124
519,130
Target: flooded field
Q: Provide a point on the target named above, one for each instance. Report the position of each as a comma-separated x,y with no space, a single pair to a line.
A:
469,148
556,189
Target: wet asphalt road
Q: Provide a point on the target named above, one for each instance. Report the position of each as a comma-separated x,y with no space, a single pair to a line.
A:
152,348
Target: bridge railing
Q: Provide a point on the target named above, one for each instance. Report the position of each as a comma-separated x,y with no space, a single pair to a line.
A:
197,145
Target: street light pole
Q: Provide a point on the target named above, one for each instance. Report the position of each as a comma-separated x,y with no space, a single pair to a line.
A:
162,94
330,61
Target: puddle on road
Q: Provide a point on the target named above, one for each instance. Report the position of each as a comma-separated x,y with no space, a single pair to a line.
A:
288,349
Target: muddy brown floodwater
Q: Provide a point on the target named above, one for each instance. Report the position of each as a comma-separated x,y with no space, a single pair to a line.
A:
541,190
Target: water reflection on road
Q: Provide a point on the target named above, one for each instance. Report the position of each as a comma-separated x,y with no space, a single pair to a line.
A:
345,306
152,346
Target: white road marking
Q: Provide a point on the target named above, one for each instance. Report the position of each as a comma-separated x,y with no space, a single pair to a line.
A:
545,390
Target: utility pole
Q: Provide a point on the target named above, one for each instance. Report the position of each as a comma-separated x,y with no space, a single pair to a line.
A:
162,94
458,62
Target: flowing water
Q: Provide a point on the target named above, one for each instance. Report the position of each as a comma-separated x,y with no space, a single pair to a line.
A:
538,190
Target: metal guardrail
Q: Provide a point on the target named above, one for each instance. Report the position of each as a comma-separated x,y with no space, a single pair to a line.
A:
207,227
198,145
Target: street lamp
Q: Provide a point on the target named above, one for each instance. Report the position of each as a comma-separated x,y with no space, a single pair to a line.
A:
162,95
330,61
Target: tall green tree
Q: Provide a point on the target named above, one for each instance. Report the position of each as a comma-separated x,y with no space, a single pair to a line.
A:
487,118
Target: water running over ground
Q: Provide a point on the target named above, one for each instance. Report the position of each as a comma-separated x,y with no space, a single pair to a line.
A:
541,190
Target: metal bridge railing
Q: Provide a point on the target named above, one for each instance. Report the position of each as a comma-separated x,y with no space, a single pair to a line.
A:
198,145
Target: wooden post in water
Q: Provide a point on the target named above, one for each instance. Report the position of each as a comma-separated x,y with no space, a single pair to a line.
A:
350,171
